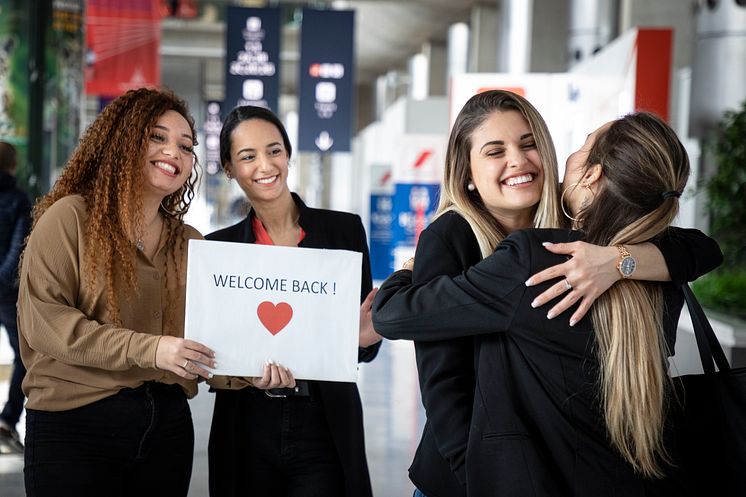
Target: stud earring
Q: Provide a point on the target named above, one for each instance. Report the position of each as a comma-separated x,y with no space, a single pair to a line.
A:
471,186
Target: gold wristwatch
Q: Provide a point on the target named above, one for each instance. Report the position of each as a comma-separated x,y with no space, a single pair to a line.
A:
627,264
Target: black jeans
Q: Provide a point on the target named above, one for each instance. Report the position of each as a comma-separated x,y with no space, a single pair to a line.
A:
14,406
138,442
288,450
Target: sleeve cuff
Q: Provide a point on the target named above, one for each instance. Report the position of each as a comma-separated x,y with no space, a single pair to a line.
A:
142,349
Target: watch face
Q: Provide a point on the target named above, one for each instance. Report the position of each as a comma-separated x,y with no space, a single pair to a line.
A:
627,266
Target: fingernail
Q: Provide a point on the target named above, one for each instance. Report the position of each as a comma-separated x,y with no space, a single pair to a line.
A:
550,315
534,304
573,322
210,375
546,244
529,282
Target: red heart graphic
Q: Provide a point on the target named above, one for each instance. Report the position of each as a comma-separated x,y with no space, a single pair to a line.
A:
274,317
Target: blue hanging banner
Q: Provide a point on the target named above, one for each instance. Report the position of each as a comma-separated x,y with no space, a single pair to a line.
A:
414,206
252,57
326,80
381,217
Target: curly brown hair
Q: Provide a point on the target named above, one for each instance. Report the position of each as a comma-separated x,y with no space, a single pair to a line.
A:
106,170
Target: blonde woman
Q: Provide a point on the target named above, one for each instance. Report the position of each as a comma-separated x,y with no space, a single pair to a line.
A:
559,409
500,176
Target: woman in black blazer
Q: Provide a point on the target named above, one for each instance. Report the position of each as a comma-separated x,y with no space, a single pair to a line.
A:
475,213
560,409
306,440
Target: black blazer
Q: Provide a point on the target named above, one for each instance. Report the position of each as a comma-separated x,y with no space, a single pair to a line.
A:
536,428
446,368
324,229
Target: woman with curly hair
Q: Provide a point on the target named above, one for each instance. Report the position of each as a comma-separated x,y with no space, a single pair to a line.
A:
101,310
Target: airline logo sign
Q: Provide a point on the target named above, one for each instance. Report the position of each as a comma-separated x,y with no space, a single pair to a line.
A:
326,80
422,160
252,57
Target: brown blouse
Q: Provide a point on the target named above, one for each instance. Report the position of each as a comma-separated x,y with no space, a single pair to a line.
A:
73,353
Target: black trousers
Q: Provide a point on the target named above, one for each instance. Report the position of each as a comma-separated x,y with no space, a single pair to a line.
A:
14,407
272,447
138,442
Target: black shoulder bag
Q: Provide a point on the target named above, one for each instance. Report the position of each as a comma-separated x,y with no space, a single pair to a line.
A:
710,423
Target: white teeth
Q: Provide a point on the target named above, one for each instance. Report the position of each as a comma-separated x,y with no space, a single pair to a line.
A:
266,181
519,180
165,166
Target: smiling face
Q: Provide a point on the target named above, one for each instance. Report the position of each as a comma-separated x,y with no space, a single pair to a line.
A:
578,175
506,168
258,160
170,156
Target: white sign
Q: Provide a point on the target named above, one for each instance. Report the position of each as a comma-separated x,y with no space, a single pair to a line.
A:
299,307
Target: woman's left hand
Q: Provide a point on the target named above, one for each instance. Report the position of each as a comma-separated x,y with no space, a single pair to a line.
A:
590,271
368,335
275,376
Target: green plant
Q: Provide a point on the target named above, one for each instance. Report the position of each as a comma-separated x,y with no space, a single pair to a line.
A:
725,289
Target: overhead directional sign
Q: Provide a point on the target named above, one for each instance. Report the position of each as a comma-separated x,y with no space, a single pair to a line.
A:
326,80
252,57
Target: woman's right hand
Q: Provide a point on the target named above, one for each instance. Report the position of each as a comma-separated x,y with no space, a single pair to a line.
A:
275,376
184,357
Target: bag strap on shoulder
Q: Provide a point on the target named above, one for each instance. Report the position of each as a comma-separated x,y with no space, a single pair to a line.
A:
709,347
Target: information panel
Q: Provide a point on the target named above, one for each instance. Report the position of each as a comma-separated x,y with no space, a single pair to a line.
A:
326,80
252,57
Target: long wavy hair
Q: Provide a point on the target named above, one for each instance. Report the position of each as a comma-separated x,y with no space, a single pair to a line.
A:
106,169
454,194
641,158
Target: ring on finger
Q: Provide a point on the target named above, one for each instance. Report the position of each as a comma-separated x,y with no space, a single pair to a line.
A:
186,363
568,286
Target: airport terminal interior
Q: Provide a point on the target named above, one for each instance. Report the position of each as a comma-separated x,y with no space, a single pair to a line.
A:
368,91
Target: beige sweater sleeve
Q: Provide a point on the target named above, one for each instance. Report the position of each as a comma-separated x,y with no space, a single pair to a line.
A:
52,295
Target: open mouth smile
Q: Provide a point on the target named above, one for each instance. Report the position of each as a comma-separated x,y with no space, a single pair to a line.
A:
167,168
523,179
266,181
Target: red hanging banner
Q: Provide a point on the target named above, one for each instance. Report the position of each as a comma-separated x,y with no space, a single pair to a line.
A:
122,41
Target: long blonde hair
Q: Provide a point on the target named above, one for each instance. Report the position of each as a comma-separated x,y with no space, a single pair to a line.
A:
641,159
454,195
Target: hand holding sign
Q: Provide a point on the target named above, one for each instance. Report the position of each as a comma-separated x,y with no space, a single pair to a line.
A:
275,376
368,335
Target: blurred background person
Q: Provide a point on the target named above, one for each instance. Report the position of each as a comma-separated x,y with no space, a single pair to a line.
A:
15,221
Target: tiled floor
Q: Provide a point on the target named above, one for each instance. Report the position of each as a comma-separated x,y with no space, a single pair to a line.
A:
393,423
